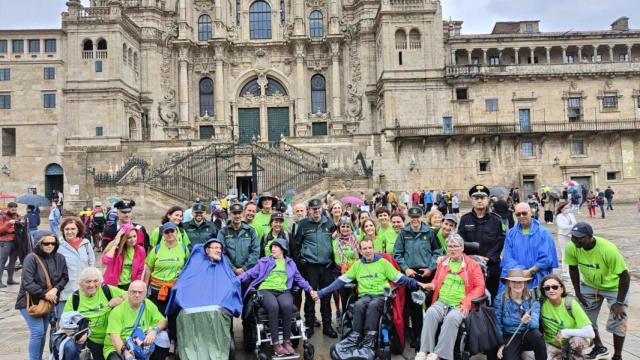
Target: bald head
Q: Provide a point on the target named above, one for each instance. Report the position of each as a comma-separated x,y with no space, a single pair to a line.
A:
137,293
523,214
300,210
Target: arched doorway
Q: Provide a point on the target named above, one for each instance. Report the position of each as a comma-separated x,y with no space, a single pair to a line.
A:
263,111
53,180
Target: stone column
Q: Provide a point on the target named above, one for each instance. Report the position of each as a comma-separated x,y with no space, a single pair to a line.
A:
533,56
298,22
500,51
453,57
219,89
629,48
300,81
564,54
595,53
484,57
611,53
183,83
517,55
469,51
580,54
335,79
548,49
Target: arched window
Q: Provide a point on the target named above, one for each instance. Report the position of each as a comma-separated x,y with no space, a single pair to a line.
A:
124,53
251,88
130,57
260,20
206,97
133,129
102,44
274,87
401,40
318,94
87,45
135,61
414,39
204,28
316,27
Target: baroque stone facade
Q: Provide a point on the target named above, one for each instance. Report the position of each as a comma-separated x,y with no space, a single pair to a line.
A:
389,79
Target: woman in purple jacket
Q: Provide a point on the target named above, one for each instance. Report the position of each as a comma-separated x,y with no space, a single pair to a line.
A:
274,277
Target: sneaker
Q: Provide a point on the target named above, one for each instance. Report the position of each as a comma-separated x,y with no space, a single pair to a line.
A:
288,346
616,357
421,356
432,356
279,350
598,352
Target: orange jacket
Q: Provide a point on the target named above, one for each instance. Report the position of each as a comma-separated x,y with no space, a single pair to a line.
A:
471,274
7,231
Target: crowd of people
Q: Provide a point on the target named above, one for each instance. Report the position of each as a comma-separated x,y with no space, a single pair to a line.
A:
156,293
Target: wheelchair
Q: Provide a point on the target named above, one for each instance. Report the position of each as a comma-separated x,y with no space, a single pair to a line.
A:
387,341
257,333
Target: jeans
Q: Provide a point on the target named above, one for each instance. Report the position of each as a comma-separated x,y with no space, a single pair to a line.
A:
609,203
601,210
37,334
7,254
366,313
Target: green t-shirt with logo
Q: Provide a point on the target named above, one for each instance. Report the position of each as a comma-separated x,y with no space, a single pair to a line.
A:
452,289
372,277
599,266
277,278
95,309
122,319
167,263
385,240
125,274
556,318
442,241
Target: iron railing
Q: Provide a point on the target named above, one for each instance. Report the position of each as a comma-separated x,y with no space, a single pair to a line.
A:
121,175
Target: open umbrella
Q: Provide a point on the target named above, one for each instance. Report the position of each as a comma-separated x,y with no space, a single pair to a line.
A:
498,191
569,183
353,200
5,197
553,194
113,201
291,192
33,200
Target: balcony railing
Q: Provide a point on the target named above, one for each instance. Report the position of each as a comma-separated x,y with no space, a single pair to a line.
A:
87,54
101,54
516,128
542,69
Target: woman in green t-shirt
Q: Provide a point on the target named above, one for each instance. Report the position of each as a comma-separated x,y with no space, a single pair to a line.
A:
566,326
345,253
174,215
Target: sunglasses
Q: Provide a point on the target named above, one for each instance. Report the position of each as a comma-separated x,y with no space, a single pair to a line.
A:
169,231
519,214
550,287
48,244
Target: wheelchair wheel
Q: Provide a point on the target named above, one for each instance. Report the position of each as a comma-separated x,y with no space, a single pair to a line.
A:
249,336
295,330
308,352
262,356
395,345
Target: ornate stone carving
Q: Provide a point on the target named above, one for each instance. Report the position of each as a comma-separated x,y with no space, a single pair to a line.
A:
262,61
318,65
354,102
203,5
167,108
286,66
204,65
315,4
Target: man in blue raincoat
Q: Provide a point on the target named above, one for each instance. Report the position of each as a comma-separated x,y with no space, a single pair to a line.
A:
206,296
530,247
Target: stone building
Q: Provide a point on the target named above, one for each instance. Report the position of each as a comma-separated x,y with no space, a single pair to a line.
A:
127,85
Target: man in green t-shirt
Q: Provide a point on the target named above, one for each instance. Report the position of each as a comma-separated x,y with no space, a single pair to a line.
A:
122,320
372,273
604,276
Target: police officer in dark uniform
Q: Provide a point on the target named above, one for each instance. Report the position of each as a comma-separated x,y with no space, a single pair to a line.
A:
199,229
485,228
313,239
241,244
124,209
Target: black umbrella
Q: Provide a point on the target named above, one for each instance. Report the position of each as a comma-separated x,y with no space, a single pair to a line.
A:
32,199
553,195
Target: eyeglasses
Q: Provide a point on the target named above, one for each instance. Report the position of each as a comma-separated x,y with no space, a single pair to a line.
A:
549,287
48,244
519,214
454,246
136,292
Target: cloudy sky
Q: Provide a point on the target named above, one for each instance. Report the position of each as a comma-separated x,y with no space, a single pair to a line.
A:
478,15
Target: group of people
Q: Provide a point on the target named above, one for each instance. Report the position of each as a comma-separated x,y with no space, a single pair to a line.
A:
159,293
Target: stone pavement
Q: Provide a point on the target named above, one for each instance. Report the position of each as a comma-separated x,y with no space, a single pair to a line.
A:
621,226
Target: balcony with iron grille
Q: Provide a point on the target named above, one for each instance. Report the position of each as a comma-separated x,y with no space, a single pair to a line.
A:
543,70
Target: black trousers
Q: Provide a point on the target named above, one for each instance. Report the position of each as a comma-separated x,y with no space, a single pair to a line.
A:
493,281
527,341
162,305
367,312
96,350
279,305
319,276
548,216
413,313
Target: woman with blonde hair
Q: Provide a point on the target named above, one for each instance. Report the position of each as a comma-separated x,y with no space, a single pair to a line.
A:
434,218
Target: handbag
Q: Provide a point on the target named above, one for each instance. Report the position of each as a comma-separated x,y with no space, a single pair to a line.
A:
135,341
43,307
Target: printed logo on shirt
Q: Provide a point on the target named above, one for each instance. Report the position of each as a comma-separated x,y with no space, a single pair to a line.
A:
590,266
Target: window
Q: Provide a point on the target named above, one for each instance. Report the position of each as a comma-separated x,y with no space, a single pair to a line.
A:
447,125
526,149
5,101
237,12
400,58
102,44
623,57
87,45
34,46
318,94
49,101
5,74
3,46
462,94
17,46
577,147
207,132
204,28
475,60
9,142
528,28
638,102
49,73
274,88
99,131
613,175
401,40
49,45
282,13
596,58
574,106
251,88
124,54
569,59
98,66
483,166
319,128
415,41
260,20
494,60
206,97
316,27
610,102
491,105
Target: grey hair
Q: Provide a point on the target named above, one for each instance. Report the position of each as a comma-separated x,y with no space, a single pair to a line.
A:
455,237
90,272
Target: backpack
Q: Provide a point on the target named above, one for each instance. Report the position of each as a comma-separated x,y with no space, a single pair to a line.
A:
75,298
184,248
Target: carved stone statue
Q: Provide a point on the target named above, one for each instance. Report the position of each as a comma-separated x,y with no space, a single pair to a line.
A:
167,109
354,103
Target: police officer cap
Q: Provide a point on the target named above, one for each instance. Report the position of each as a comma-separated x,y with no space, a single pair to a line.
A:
276,216
314,203
235,208
415,212
479,190
198,207
125,205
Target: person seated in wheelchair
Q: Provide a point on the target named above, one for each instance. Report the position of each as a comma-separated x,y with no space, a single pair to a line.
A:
274,276
372,273
458,280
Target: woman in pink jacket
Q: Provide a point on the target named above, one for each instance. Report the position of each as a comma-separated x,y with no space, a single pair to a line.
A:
124,258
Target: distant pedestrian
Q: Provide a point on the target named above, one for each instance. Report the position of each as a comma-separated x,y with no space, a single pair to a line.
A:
8,244
608,194
54,219
600,201
33,219
565,220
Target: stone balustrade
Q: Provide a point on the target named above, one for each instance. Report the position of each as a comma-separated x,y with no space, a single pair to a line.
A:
542,69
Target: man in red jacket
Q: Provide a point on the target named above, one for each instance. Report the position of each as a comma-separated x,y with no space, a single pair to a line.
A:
7,242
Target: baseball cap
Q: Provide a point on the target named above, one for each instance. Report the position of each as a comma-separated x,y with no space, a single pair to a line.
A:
581,229
276,216
315,203
169,226
451,217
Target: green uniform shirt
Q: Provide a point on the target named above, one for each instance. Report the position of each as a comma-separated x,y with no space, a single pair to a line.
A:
385,240
599,266
125,274
556,318
452,288
372,277
95,309
442,241
167,263
348,253
122,319
277,278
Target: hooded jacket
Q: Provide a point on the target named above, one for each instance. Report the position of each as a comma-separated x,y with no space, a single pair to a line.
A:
263,268
33,279
417,249
77,260
471,274
114,265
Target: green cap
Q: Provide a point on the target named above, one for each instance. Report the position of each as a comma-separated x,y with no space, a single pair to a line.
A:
415,211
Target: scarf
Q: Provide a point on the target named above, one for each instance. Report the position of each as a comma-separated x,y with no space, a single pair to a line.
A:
344,240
